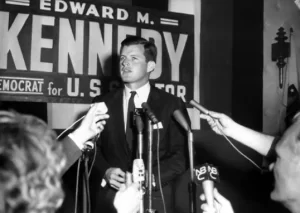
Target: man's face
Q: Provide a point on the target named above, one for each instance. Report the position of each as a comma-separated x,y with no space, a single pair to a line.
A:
287,166
133,66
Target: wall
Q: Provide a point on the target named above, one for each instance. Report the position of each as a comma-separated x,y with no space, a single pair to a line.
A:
279,13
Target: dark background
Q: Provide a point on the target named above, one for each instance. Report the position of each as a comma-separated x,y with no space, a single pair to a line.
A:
231,82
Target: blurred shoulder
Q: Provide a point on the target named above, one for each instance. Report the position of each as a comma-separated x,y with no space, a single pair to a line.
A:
165,96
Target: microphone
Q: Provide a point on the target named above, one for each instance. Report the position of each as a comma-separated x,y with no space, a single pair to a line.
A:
179,117
149,113
88,145
138,176
139,126
206,175
139,122
138,171
199,107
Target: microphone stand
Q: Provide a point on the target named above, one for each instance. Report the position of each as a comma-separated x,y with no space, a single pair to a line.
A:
140,127
192,185
86,192
150,159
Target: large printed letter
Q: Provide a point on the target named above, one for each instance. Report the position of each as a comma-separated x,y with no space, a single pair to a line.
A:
99,47
9,40
123,31
77,7
69,46
37,43
142,18
175,54
60,6
147,34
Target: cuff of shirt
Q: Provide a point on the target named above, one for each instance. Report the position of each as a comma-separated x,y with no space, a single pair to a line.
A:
80,145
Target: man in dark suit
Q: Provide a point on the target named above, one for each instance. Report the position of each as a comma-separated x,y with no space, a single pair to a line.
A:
116,150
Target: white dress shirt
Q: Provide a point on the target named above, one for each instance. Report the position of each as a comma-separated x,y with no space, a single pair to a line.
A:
141,96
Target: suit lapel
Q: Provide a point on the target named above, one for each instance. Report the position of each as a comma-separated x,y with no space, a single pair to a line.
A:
119,128
153,99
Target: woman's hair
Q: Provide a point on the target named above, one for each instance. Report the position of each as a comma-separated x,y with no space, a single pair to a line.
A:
31,162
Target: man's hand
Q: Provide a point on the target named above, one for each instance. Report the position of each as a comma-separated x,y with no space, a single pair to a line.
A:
221,204
92,124
115,177
220,123
128,198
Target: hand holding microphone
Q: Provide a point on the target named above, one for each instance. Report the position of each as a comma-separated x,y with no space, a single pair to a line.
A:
219,122
206,175
92,123
221,204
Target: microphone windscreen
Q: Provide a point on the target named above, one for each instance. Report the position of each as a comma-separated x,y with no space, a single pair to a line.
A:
139,123
179,117
149,113
206,172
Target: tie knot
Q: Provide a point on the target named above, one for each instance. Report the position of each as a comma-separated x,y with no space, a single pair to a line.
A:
132,94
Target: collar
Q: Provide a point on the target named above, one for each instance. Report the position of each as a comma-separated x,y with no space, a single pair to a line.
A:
142,94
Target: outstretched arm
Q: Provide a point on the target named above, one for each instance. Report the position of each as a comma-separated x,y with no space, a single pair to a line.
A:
222,124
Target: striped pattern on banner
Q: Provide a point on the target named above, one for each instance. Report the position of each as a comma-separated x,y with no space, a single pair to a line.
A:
167,21
18,2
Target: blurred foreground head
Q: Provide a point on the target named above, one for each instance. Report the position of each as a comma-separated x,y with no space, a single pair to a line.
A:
31,161
286,168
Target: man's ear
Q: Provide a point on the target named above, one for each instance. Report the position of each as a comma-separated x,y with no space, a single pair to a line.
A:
150,66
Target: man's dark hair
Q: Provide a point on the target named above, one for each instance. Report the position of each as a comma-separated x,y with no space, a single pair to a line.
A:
149,47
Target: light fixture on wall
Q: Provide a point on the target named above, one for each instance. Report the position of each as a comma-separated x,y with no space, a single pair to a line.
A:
280,51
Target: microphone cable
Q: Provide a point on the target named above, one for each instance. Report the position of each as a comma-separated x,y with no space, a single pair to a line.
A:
58,137
78,164
230,142
86,175
87,172
87,185
95,153
158,168
77,185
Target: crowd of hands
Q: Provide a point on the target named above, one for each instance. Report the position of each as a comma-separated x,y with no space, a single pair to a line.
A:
128,196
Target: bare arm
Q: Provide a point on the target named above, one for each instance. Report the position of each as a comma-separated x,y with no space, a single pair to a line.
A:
221,123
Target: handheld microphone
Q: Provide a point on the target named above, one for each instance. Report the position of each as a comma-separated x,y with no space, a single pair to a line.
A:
206,175
149,113
199,107
88,145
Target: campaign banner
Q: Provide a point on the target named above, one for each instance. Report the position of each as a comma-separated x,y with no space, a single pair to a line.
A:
67,51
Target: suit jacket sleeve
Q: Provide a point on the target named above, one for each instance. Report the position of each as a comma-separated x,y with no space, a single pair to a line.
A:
173,163
71,151
101,164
